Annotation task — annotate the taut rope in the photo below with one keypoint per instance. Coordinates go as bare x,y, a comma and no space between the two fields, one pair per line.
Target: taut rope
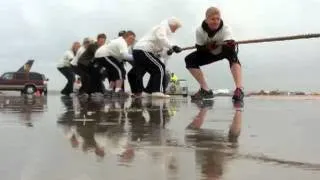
272,39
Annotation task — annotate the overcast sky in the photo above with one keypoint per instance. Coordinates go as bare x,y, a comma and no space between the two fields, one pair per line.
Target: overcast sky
43,30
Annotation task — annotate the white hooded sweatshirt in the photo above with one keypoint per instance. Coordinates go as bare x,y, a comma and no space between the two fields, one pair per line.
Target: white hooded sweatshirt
80,51
156,40
117,48
66,59
202,37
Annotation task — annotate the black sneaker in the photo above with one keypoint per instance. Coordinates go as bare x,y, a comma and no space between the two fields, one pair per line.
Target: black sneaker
238,95
207,95
196,95
203,95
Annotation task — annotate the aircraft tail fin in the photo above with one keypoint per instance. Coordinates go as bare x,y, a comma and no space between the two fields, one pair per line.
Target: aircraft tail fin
26,67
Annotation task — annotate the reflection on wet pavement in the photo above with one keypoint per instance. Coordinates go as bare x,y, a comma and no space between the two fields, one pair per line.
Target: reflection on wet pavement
127,128
144,139
119,125
25,107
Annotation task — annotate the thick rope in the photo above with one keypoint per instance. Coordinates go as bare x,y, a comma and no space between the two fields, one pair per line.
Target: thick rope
284,38
272,39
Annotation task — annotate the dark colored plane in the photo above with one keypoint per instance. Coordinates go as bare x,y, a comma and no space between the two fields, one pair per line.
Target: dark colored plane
27,66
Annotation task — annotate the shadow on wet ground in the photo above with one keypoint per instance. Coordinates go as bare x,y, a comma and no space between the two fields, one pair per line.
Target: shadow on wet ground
62,138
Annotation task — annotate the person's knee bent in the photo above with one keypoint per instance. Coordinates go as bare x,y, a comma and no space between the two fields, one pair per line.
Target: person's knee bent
233,60
233,63
231,54
190,61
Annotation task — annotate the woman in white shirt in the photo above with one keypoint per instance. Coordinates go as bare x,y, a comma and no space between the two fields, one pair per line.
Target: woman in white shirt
74,63
110,57
145,54
64,66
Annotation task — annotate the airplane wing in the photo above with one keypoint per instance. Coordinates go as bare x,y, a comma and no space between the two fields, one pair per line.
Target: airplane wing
26,67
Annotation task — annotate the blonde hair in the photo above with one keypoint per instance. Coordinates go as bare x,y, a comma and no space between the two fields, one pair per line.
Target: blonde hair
173,21
212,11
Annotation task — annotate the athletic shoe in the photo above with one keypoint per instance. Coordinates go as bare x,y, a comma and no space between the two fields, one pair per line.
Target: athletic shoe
203,95
159,95
145,94
238,95
196,95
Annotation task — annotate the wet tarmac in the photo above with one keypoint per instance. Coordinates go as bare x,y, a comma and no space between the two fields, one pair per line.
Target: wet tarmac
57,138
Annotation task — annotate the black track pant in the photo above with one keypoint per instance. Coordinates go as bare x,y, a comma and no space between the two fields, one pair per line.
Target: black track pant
67,72
146,62
98,75
84,73
115,68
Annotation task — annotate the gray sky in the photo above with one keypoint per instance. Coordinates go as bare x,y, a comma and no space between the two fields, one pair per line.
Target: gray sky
43,30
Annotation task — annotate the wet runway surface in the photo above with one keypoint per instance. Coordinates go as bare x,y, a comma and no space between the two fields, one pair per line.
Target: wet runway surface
56,138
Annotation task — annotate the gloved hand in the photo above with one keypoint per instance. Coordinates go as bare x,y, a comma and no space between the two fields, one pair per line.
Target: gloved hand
176,49
230,43
170,52
212,46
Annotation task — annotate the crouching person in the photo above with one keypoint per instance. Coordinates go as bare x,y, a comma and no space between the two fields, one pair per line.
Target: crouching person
164,56
84,63
74,62
214,42
65,68
145,53
110,58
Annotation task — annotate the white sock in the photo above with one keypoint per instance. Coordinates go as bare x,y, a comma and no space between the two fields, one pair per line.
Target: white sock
118,89
110,89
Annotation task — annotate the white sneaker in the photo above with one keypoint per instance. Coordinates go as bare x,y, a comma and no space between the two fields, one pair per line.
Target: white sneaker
144,94
166,96
159,95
